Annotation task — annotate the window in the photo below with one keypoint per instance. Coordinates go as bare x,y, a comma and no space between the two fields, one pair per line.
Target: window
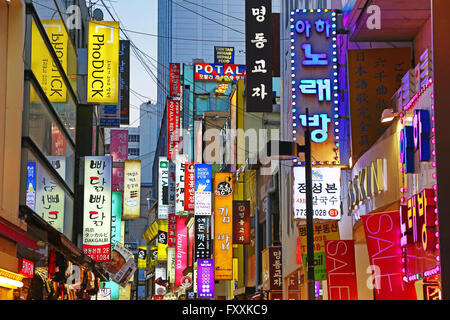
133,138
133,151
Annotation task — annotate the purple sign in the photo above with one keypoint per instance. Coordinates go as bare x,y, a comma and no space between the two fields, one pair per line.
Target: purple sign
205,278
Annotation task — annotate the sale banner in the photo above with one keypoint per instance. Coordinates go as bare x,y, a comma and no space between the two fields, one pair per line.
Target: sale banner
341,270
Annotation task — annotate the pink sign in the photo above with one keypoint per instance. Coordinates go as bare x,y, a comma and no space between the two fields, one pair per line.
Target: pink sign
385,255
119,152
180,249
341,270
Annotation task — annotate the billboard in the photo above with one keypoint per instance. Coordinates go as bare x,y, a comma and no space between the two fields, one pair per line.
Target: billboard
132,189
97,207
326,185
103,62
218,72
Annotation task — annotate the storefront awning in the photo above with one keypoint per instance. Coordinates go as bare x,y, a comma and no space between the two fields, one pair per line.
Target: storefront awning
16,234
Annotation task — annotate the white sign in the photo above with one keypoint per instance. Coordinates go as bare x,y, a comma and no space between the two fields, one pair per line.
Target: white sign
179,183
163,188
97,207
326,193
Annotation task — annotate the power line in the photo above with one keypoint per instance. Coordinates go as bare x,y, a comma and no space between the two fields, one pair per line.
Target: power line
224,14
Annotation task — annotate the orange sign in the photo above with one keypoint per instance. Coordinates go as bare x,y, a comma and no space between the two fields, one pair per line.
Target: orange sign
223,226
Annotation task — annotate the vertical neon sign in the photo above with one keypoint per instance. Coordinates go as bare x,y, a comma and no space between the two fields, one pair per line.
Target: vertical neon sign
315,81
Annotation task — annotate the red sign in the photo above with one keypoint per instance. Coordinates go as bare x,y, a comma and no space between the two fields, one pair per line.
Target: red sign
174,79
341,270
383,244
26,267
172,236
189,186
241,222
173,129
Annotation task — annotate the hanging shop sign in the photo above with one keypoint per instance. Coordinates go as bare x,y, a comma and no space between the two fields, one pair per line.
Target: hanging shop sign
202,234
109,115
223,226
161,274
189,186
180,249
258,55
103,62
180,167
241,222
97,207
374,75
162,240
31,185
171,230
118,149
314,82
124,81
341,270
174,79
322,232
171,262
326,193
218,72
163,188
42,63
132,189
223,55
173,128
419,238
50,196
382,232
26,267
116,216
205,278
142,257
271,269
203,189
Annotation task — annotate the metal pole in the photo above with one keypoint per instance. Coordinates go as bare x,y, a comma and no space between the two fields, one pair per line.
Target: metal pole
309,212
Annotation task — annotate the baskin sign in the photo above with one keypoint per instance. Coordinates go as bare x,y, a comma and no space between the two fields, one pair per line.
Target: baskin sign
219,72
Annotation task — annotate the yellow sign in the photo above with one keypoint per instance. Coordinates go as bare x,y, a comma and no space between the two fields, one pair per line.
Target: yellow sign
322,232
103,62
142,257
42,64
163,228
132,189
223,226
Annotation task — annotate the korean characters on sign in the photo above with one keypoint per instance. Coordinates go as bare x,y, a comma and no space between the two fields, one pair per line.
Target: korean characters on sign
97,207
202,234
314,80
174,79
132,189
326,193
223,226
189,186
173,128
258,43
241,222
271,269
203,187
180,168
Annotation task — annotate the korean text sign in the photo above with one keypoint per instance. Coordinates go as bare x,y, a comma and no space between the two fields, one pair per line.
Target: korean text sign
103,62
132,189
173,128
202,234
322,232
189,186
203,187
218,72
241,222
163,188
174,79
271,269
341,270
180,249
314,81
180,167
97,207
205,278
116,216
326,193
258,46
223,226
385,254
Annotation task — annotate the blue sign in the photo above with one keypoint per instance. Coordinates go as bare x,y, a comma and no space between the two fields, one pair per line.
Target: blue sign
110,115
203,177
31,185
